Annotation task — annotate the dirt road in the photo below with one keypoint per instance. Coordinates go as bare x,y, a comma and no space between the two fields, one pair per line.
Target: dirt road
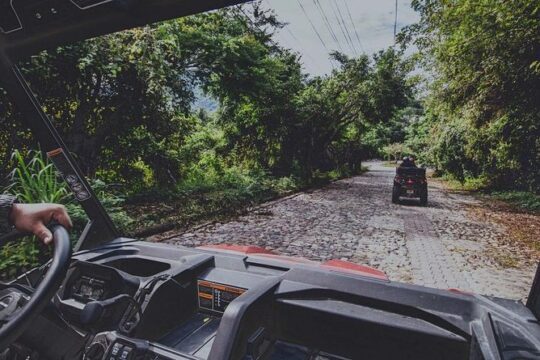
442,245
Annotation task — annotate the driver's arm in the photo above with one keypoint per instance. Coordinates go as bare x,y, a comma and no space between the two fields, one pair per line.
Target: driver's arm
31,218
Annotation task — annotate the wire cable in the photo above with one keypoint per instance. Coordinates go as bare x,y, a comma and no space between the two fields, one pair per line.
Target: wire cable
312,25
354,26
340,25
328,24
345,26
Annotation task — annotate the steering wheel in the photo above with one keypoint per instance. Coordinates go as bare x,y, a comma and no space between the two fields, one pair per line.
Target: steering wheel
17,309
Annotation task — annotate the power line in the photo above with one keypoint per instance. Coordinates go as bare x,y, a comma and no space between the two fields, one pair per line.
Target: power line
312,25
315,63
291,33
327,23
286,24
354,26
293,36
341,26
345,26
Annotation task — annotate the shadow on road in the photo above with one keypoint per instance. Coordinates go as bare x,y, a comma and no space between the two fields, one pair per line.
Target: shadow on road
411,202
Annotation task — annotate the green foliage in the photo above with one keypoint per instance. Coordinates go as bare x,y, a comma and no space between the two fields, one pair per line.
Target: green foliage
395,151
484,113
522,199
16,258
113,203
35,180
467,184
123,102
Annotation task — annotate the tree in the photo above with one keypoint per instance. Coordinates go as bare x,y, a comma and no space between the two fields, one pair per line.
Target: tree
123,101
483,57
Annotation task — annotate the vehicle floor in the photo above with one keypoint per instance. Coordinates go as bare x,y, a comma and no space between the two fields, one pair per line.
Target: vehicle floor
444,245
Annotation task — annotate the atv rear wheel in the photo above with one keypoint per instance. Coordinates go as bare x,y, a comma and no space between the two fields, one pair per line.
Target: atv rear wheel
395,194
423,197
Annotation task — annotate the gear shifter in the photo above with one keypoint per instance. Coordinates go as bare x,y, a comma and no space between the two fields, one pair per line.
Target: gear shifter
94,310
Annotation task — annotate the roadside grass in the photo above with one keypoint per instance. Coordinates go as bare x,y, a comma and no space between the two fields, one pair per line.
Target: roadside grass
505,260
521,199
158,211
194,202
469,184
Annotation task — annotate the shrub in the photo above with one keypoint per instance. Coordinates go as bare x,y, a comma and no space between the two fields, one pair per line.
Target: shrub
35,180
522,199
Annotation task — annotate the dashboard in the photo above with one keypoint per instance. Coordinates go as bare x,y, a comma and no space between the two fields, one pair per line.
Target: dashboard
144,301
176,307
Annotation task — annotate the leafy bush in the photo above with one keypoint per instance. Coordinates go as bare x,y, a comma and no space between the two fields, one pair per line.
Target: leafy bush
523,199
16,258
35,180
395,151
111,201
482,57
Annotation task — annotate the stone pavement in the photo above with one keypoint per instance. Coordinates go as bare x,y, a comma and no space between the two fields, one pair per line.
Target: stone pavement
440,245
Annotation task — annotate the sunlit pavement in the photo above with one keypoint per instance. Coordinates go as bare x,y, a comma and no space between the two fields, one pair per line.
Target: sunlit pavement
440,245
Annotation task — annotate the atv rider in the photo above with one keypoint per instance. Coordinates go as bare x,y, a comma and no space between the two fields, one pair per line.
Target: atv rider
408,162
31,218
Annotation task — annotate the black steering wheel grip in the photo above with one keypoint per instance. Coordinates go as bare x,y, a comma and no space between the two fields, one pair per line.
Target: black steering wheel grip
17,322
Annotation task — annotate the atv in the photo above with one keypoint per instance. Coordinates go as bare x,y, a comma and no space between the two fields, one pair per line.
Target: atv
115,298
410,182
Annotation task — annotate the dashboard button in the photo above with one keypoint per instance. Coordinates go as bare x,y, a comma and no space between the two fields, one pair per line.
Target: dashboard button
126,353
116,349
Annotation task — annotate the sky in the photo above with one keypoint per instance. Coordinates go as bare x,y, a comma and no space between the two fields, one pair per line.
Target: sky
358,26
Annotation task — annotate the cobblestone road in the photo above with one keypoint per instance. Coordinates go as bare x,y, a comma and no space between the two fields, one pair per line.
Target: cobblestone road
440,245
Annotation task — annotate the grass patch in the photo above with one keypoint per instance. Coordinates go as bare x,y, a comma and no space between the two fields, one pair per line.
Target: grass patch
522,199
468,184
206,193
194,204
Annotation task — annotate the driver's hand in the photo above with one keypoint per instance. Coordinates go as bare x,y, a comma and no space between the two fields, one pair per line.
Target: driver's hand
34,218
